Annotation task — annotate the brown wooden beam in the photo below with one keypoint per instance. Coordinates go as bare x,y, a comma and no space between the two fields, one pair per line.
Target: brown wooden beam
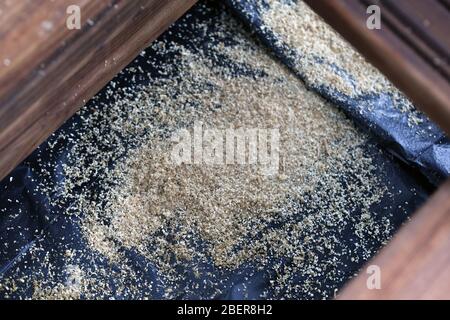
48,71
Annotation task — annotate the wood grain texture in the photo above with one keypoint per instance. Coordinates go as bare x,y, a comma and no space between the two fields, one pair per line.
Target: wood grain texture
416,263
48,71
412,48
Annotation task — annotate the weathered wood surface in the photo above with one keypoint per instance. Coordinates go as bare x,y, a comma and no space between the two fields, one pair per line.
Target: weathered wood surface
47,71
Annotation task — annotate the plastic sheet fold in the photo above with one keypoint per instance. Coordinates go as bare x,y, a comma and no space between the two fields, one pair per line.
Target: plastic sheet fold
30,223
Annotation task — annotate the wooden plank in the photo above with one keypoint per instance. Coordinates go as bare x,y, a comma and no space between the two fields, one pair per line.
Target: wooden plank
412,49
47,71
416,263
414,58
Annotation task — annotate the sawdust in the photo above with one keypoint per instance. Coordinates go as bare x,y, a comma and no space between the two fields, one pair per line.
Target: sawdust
325,172
329,60
228,202
187,215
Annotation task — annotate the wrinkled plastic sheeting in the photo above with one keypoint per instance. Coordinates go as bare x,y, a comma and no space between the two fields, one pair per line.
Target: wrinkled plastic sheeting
29,222
423,146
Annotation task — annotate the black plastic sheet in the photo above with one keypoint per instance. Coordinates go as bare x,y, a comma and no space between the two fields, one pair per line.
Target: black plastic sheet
30,223
422,145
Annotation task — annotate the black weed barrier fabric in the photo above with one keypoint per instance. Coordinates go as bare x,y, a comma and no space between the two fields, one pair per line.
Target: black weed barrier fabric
38,238
422,145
